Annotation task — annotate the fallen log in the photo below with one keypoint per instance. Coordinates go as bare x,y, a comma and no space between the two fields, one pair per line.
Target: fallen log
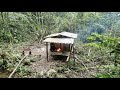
83,64
17,66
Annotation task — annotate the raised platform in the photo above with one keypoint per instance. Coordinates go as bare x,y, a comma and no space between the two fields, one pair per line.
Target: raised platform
60,53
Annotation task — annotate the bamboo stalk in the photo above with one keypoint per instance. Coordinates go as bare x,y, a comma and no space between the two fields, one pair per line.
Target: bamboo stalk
17,66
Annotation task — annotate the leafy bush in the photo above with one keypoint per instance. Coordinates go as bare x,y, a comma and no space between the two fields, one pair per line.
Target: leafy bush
114,72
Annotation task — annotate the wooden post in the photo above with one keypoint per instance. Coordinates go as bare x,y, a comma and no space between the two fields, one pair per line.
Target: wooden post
71,50
47,50
74,54
69,56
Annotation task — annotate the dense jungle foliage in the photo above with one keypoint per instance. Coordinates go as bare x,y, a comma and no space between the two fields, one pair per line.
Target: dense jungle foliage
97,47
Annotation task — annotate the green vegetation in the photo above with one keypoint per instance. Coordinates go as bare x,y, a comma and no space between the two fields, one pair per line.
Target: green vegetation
97,48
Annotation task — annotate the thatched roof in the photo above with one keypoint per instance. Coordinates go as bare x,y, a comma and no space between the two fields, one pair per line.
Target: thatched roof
68,39
67,34
60,40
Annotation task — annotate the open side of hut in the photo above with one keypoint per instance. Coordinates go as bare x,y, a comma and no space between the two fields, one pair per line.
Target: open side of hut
60,43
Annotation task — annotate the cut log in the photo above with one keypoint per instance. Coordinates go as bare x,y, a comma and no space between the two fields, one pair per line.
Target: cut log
17,67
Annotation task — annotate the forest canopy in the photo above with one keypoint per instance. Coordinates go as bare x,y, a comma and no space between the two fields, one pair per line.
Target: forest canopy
20,26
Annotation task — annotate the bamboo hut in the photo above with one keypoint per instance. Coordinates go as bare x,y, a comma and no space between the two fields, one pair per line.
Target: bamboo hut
60,43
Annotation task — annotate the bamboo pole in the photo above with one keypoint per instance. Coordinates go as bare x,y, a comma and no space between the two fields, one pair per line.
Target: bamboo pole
17,66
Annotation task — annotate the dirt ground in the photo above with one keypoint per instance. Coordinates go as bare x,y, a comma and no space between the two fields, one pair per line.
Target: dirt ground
42,64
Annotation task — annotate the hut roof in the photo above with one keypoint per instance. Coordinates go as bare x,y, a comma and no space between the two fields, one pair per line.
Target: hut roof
67,34
60,40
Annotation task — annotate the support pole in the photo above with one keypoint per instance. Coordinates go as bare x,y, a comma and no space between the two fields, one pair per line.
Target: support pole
69,53
69,56
74,54
47,50
71,50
